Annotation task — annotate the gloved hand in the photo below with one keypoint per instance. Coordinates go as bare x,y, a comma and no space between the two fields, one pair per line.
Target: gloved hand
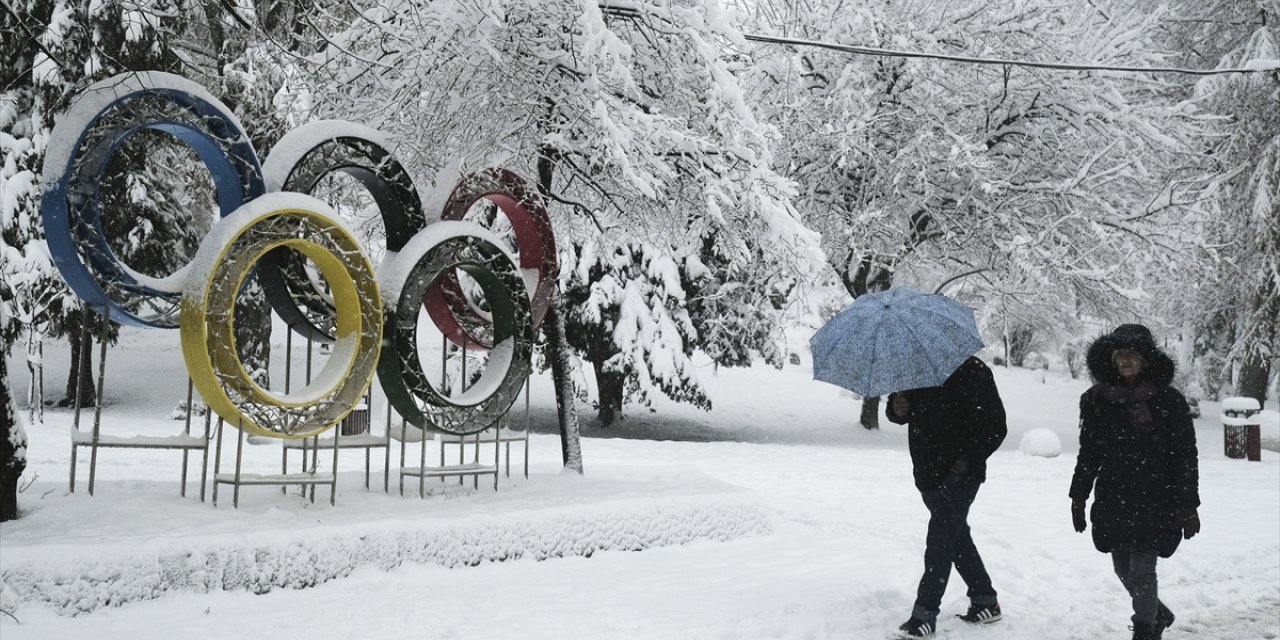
901,406
1189,518
1077,516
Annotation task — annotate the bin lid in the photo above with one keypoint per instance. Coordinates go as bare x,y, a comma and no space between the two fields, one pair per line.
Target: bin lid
1240,406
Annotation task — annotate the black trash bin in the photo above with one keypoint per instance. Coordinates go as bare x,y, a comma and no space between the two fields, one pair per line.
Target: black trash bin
1241,429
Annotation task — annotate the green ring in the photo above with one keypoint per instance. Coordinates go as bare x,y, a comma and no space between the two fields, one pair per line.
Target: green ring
407,386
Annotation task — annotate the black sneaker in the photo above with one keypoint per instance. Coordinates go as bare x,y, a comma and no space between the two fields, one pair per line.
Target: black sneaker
982,614
916,628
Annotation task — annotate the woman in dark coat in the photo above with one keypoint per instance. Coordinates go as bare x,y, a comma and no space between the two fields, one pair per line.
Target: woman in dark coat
1138,457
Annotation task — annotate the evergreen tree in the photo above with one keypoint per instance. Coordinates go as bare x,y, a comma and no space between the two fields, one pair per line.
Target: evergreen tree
628,320
29,287
13,443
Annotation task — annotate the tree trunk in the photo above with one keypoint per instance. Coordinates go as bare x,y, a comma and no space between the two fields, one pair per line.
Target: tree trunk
558,348
610,385
35,366
80,376
13,445
870,413
1254,374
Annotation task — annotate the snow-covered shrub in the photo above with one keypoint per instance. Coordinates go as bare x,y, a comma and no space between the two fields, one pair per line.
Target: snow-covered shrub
1035,360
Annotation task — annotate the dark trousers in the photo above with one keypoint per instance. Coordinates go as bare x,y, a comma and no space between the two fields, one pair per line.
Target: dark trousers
949,544
1137,571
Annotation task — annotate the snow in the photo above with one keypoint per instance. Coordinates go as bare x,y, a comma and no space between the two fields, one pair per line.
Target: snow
495,374
295,144
1240,405
227,229
1261,64
773,516
96,98
1041,442
396,266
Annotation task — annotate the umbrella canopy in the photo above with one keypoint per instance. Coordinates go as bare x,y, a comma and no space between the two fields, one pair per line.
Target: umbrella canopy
894,340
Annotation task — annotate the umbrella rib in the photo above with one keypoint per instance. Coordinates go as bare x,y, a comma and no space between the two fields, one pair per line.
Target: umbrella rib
932,366
909,329
875,347
826,354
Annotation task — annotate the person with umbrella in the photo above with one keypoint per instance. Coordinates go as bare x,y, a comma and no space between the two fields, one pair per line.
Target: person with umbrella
919,349
1138,457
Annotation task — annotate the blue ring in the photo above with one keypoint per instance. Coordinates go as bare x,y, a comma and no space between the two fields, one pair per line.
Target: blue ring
75,234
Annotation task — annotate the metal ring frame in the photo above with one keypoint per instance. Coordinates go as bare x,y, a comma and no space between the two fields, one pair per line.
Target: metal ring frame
361,153
92,134
447,303
407,386
208,312
257,228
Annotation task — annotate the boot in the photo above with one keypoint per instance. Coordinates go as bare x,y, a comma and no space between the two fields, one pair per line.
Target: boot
1164,620
1144,631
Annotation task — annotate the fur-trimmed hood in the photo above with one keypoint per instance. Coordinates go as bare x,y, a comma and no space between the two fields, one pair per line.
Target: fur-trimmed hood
1158,368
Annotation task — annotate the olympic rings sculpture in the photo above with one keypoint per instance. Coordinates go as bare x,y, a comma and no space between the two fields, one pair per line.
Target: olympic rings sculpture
270,227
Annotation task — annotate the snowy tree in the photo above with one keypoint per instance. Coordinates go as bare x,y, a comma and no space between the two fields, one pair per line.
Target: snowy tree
13,441
736,308
1234,303
156,195
632,117
224,51
78,44
630,322
33,290
28,284
1046,189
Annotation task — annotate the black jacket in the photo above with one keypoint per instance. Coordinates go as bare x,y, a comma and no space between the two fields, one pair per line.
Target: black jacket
1137,450
961,420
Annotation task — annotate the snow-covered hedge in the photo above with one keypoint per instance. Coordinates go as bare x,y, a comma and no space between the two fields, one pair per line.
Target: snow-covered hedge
73,583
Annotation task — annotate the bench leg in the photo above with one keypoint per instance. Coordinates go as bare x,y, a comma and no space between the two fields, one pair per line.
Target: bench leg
217,461
73,466
204,464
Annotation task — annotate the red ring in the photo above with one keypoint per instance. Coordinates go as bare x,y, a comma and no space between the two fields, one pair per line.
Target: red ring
445,301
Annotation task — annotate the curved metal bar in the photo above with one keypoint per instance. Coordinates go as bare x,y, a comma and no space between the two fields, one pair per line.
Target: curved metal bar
407,386
306,225
82,144
298,162
447,303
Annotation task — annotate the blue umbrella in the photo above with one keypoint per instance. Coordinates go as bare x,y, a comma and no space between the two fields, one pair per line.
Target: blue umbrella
894,340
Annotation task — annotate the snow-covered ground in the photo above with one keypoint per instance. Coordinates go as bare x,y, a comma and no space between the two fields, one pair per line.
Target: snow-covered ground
772,516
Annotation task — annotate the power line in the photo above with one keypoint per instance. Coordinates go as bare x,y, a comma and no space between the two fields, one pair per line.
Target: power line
1255,67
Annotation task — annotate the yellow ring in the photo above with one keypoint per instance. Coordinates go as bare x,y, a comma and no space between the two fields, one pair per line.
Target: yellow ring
208,328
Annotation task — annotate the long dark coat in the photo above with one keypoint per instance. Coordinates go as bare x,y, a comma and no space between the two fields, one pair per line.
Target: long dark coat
961,420
1141,471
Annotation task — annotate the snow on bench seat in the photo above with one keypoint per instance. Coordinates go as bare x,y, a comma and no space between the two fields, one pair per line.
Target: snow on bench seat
274,478
85,439
469,469
362,441
486,437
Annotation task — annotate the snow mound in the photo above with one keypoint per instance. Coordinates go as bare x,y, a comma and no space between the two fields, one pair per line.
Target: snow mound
1041,442
74,581
1269,429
